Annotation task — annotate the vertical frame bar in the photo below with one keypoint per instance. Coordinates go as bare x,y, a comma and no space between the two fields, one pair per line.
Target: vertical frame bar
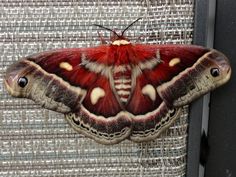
199,110
222,127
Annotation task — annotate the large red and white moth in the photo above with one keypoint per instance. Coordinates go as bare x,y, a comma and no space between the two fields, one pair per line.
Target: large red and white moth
119,90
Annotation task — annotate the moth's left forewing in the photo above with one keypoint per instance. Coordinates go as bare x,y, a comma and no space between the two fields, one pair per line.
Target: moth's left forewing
51,79
198,71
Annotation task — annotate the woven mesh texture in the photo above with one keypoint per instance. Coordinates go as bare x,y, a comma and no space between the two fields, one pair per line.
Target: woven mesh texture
38,142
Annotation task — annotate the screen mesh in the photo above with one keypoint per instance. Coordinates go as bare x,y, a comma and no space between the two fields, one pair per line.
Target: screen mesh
38,142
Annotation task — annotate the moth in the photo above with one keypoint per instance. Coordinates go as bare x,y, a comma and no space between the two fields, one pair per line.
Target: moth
121,90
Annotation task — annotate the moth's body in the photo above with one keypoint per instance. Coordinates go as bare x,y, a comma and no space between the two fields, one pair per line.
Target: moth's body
120,90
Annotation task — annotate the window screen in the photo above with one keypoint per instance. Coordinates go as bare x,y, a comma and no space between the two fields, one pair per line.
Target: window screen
38,142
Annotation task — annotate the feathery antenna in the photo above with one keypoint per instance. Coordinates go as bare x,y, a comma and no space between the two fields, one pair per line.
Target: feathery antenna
100,26
129,26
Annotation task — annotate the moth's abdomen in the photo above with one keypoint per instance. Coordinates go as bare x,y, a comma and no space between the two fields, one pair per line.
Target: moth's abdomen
122,82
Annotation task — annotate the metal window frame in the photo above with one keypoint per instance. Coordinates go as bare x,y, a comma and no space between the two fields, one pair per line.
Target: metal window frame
199,110
222,124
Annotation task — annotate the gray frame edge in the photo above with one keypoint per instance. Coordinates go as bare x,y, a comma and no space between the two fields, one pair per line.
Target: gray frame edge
204,22
222,128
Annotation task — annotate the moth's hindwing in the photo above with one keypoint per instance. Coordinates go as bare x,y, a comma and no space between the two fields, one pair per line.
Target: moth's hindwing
158,121
103,130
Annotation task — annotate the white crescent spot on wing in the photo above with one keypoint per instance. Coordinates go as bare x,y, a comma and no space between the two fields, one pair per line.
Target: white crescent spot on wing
174,62
96,94
149,90
65,65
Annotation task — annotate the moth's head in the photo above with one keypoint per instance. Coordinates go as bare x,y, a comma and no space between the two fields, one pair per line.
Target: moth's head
219,67
118,39
17,79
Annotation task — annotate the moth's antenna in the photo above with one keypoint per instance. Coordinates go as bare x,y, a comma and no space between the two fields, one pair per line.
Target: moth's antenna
129,26
100,26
